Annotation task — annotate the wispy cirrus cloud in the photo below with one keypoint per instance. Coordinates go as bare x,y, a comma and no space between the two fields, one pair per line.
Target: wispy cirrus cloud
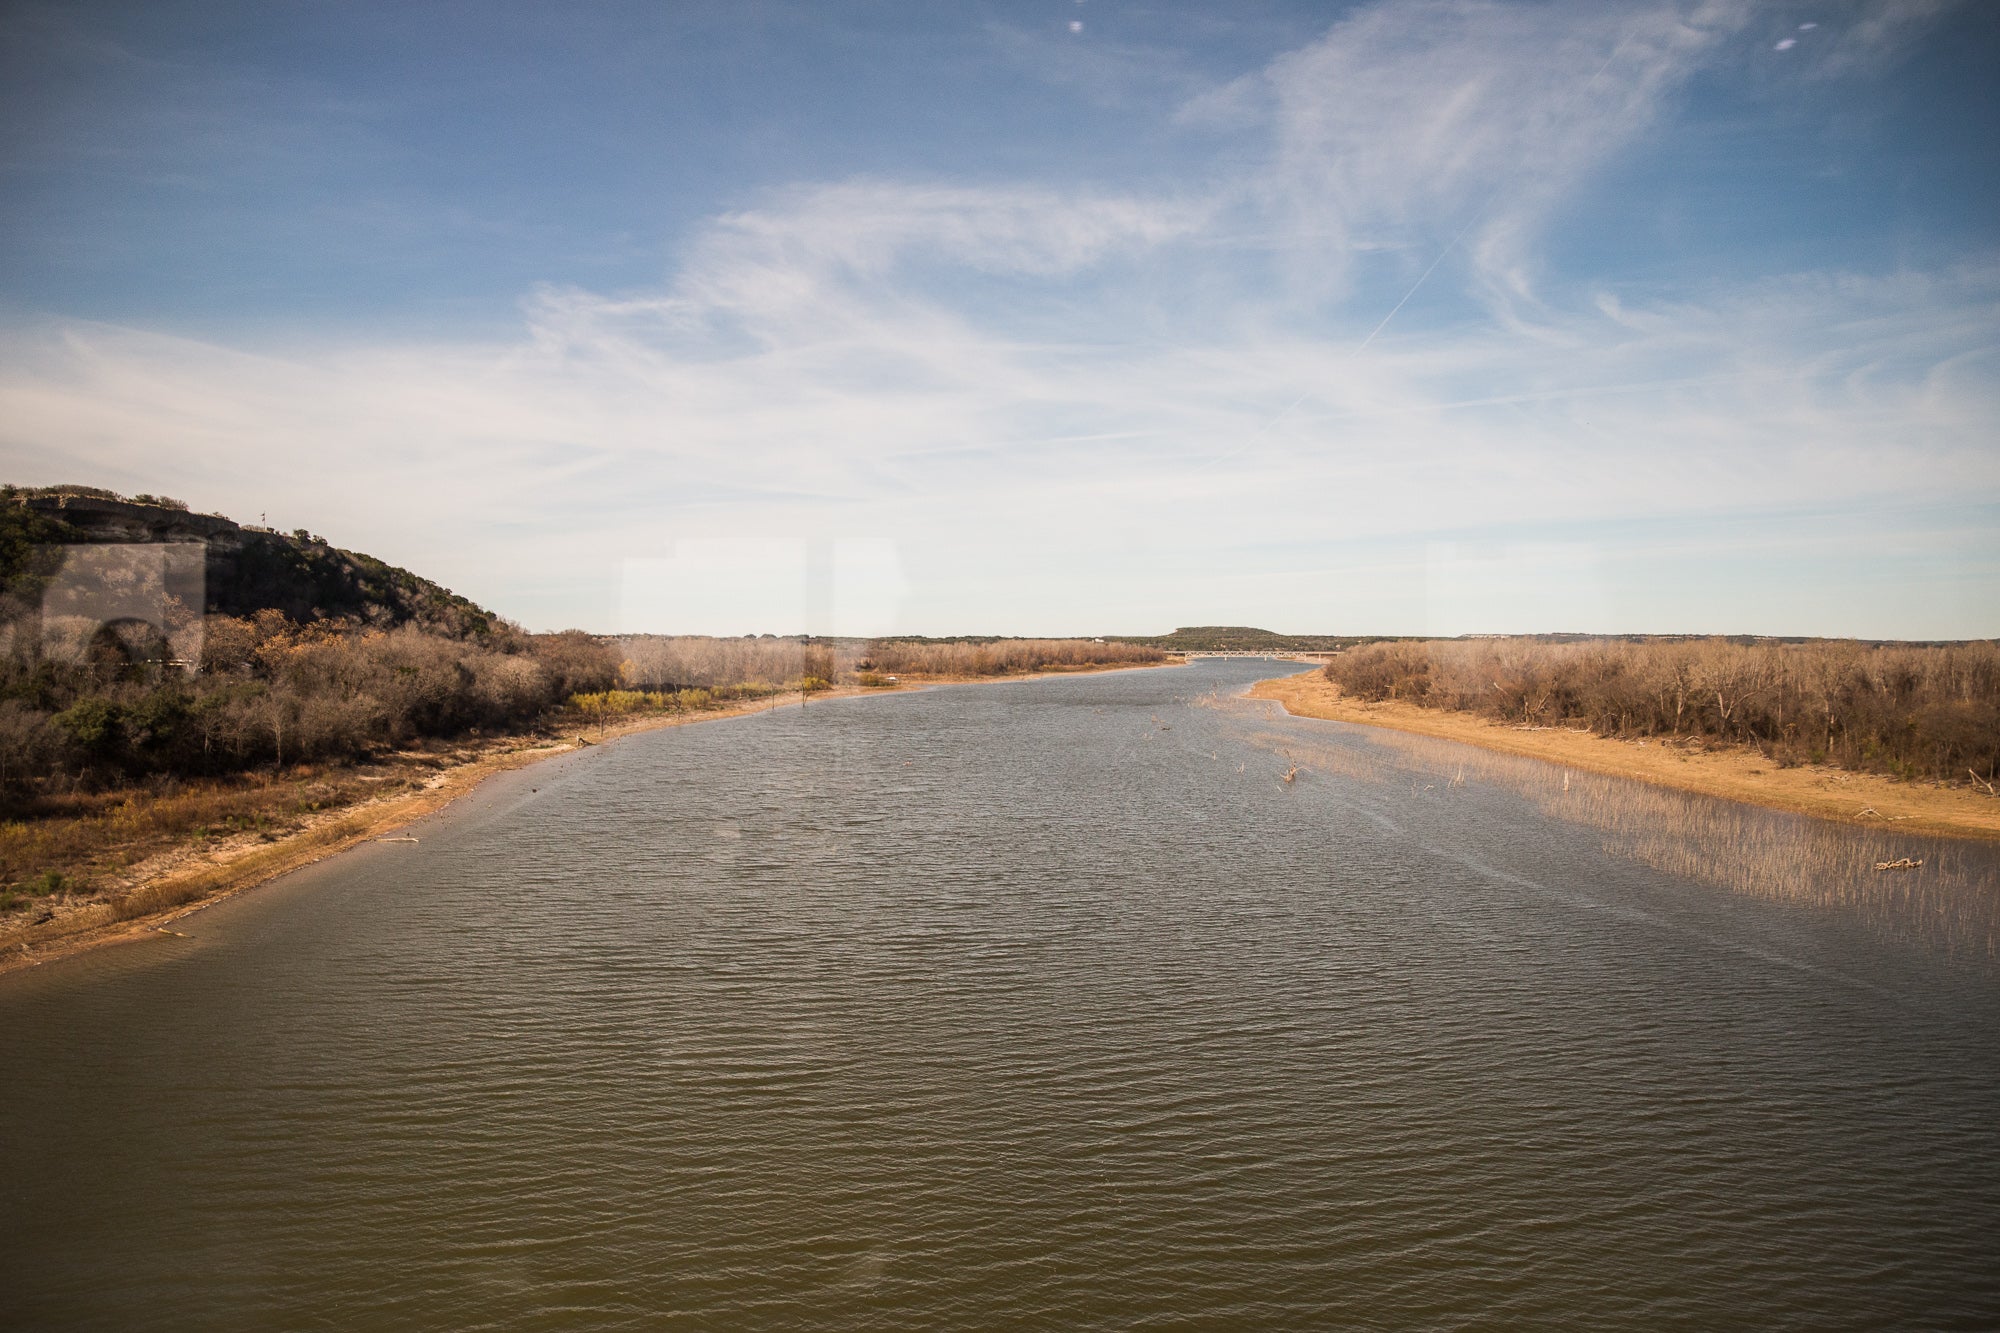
1426,125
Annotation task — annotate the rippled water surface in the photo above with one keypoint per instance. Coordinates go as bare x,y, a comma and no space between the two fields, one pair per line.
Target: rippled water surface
1041,1004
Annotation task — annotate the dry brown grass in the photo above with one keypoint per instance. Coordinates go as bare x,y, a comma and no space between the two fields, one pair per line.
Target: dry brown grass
160,855
87,835
668,662
1003,657
1908,710
1733,773
89,860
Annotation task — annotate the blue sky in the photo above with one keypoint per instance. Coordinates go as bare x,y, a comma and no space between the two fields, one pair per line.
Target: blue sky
1418,316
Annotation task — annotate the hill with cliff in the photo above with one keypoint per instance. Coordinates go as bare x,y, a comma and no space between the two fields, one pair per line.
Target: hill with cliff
244,568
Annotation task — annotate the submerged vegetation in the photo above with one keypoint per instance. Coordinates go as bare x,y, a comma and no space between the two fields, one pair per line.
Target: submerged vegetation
1910,711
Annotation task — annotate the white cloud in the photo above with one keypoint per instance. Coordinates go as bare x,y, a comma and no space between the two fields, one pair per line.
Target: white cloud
993,463
748,583
1026,409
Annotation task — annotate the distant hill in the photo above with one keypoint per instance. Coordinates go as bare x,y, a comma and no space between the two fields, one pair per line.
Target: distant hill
249,568
1244,639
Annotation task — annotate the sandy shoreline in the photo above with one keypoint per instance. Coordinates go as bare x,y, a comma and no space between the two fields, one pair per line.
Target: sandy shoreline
1737,775
186,881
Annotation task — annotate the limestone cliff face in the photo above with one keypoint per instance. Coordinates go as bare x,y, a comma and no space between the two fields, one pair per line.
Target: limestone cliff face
250,569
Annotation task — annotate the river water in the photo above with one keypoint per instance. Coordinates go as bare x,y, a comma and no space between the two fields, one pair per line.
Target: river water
1046,1004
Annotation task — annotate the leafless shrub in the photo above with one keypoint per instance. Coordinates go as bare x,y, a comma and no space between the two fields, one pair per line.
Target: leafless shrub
692,661
272,690
1910,710
1000,657
658,662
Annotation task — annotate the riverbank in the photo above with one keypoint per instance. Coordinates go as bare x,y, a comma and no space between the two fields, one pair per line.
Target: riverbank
1733,774
351,805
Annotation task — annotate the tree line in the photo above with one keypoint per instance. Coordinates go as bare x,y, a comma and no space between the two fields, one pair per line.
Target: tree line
1911,710
1000,658
678,662
270,690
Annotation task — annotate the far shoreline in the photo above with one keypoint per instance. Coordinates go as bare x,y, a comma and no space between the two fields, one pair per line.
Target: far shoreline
188,883
1865,800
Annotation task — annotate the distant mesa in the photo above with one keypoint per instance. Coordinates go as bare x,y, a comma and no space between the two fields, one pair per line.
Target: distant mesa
1244,639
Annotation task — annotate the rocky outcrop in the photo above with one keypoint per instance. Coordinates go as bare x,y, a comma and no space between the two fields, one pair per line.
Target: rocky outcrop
251,569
